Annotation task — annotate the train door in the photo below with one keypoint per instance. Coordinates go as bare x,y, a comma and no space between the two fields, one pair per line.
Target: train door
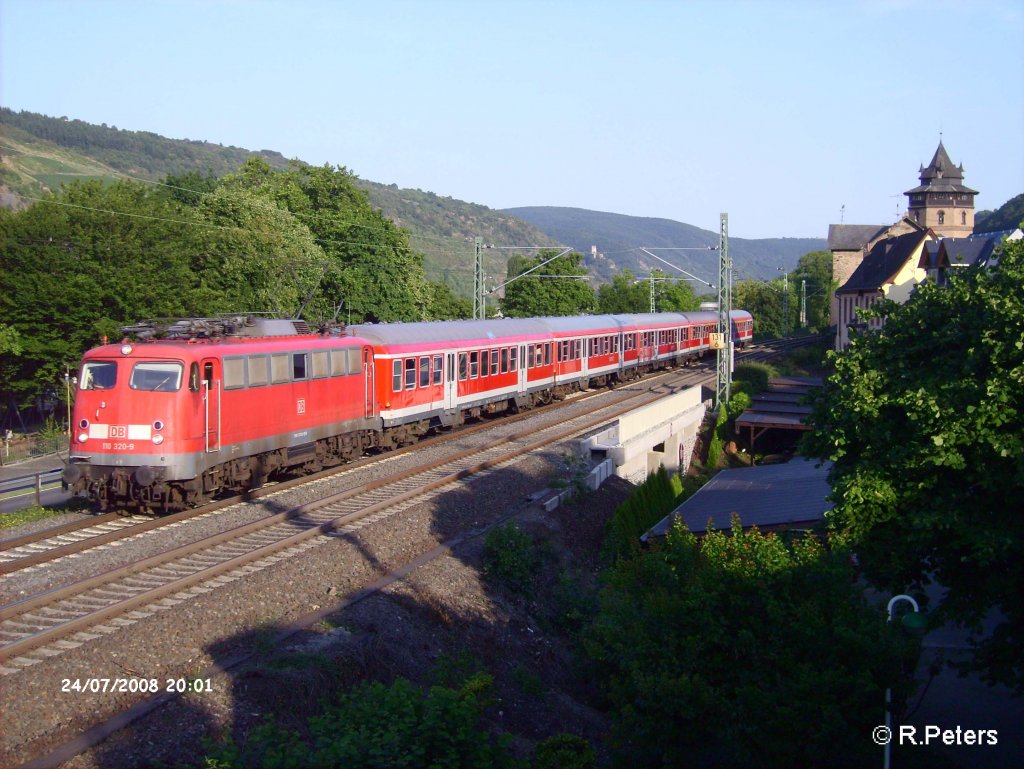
451,383
523,372
211,403
367,383
585,357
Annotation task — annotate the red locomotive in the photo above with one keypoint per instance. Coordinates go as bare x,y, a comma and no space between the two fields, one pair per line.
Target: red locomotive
164,424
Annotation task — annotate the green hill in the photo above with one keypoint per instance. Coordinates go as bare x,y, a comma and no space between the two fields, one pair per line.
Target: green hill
38,153
618,239
1008,216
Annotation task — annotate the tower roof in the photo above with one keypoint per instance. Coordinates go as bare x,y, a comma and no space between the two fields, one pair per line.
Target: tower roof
941,175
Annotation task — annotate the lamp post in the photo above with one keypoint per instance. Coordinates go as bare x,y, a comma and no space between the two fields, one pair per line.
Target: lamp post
67,390
891,610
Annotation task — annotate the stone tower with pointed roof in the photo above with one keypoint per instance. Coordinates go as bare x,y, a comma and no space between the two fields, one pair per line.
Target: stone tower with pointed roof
941,201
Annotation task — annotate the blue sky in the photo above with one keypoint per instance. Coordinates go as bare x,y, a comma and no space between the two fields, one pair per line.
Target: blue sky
777,112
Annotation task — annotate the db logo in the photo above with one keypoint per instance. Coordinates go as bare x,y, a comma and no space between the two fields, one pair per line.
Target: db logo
300,405
118,431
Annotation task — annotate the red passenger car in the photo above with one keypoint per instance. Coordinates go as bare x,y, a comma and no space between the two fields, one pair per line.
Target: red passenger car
162,424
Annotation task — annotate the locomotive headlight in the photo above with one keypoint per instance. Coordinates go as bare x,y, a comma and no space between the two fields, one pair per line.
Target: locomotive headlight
158,425
83,437
126,349
83,423
158,439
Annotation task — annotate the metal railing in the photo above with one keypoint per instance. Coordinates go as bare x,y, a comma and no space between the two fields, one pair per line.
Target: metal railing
34,484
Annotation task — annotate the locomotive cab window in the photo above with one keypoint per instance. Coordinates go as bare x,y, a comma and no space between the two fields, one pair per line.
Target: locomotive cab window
156,377
98,375
299,366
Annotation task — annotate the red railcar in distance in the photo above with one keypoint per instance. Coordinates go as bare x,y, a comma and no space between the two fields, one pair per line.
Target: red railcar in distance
219,404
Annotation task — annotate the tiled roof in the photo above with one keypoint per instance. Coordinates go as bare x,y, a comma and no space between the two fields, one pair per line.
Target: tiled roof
852,237
963,252
882,262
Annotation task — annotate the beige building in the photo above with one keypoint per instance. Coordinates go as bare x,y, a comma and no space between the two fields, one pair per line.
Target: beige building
890,270
870,262
941,202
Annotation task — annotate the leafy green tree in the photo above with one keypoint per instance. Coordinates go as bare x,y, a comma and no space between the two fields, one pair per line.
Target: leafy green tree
442,304
262,257
675,295
625,294
739,650
815,270
74,271
371,271
9,340
542,292
924,421
764,302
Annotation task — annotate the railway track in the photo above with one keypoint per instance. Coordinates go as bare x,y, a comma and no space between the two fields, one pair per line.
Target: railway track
48,545
64,617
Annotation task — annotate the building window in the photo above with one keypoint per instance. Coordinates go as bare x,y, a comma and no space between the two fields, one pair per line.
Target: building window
942,217
963,217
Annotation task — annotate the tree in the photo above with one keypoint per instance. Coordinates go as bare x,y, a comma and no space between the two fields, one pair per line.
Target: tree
542,292
9,340
764,302
371,271
739,650
814,268
443,304
924,422
625,294
74,272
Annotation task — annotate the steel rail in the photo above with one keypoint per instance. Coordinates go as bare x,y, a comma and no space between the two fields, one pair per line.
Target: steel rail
56,551
146,596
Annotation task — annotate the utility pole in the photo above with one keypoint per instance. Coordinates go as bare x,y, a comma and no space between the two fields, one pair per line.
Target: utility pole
785,303
723,384
785,300
803,304
653,306
479,301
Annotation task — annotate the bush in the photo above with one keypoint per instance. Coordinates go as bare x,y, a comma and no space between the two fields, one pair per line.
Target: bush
754,377
375,726
649,503
564,751
510,558
721,651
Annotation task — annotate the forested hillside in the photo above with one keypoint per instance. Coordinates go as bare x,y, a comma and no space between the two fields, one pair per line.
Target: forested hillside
96,255
1008,216
40,153
617,238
